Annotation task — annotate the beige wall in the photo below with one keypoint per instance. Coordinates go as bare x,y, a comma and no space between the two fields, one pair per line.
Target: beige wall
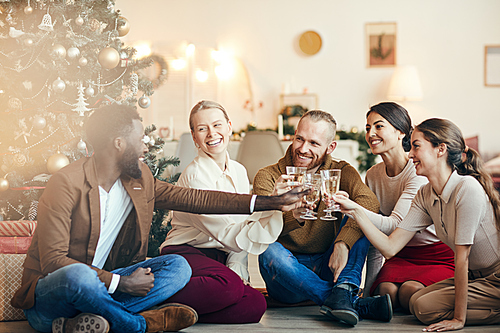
445,39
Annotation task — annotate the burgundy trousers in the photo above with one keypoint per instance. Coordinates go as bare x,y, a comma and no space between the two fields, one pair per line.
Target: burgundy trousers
215,291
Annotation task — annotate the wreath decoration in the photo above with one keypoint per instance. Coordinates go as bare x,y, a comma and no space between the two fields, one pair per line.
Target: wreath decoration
160,68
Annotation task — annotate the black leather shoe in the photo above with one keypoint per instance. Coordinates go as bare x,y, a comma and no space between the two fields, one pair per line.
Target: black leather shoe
83,323
338,306
376,308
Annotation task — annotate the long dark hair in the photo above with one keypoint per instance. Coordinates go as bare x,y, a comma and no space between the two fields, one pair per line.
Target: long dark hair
398,117
460,157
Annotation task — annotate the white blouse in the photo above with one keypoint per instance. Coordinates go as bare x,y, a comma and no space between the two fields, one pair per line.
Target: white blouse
235,234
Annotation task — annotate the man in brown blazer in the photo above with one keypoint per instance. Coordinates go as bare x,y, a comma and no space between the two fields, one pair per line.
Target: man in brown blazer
87,258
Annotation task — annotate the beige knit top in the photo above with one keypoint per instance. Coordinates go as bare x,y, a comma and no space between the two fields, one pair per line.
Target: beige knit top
316,236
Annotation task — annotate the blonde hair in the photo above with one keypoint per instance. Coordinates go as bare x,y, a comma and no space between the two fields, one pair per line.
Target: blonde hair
204,105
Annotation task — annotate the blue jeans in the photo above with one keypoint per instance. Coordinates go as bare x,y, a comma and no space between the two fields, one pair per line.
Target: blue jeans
75,288
295,278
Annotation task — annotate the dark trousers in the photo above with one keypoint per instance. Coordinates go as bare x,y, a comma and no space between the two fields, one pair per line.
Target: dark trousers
216,292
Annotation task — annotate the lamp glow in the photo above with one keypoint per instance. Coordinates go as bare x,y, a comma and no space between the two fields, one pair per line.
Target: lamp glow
143,50
201,76
190,50
178,64
224,72
405,85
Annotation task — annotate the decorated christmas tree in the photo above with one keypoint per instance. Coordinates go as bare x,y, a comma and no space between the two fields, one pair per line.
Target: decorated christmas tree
59,60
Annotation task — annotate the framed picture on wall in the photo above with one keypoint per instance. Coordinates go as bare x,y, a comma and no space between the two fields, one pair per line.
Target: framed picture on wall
492,65
381,44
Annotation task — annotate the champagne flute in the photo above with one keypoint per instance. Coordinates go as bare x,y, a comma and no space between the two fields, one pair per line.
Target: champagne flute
297,173
312,182
330,185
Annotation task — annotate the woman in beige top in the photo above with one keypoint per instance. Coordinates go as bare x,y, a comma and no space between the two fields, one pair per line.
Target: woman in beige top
462,204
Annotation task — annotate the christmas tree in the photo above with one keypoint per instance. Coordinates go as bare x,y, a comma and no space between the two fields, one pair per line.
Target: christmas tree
59,60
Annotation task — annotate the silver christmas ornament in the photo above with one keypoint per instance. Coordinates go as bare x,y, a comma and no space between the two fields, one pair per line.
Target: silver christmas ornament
89,91
58,85
28,42
39,122
79,20
73,52
58,51
83,61
144,102
81,145
28,10
109,58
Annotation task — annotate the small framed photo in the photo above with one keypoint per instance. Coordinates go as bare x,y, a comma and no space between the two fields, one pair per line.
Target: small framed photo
381,44
492,65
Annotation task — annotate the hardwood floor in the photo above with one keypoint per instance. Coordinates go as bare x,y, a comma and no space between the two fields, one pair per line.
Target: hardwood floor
293,319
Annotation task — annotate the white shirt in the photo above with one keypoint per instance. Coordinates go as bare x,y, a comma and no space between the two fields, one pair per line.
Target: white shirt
115,207
235,234
462,215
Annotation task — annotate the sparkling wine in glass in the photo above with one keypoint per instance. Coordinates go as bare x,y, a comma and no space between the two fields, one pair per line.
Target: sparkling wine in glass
330,185
312,182
297,173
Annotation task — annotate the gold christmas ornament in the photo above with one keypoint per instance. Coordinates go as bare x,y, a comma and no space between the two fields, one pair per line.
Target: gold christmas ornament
123,28
56,162
4,184
109,58
28,42
58,51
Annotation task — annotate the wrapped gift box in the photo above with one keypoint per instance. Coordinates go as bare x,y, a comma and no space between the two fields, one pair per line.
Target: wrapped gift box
11,270
14,245
17,228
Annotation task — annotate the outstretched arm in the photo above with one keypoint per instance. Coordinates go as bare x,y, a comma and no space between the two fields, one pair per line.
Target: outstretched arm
387,245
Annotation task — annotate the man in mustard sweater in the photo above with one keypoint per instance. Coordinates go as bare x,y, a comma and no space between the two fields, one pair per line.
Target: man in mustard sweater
315,259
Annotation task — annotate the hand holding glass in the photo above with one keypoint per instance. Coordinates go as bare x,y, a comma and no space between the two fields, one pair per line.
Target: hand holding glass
297,173
330,185
312,182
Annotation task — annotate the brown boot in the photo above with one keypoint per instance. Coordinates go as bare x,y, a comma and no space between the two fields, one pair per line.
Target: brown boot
169,317
84,322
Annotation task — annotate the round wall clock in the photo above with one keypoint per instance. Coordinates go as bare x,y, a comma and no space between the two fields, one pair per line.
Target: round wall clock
310,42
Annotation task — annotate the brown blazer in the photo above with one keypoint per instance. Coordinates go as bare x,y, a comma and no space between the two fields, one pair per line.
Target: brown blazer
69,222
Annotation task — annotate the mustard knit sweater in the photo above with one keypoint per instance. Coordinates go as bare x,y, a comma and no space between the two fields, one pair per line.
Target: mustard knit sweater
316,236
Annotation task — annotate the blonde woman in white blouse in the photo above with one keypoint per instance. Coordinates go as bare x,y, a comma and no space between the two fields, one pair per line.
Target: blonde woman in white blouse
462,204
216,246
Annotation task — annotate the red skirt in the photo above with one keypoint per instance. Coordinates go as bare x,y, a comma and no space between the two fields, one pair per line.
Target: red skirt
426,264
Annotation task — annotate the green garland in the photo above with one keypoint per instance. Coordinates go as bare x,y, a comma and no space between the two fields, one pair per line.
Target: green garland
365,159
